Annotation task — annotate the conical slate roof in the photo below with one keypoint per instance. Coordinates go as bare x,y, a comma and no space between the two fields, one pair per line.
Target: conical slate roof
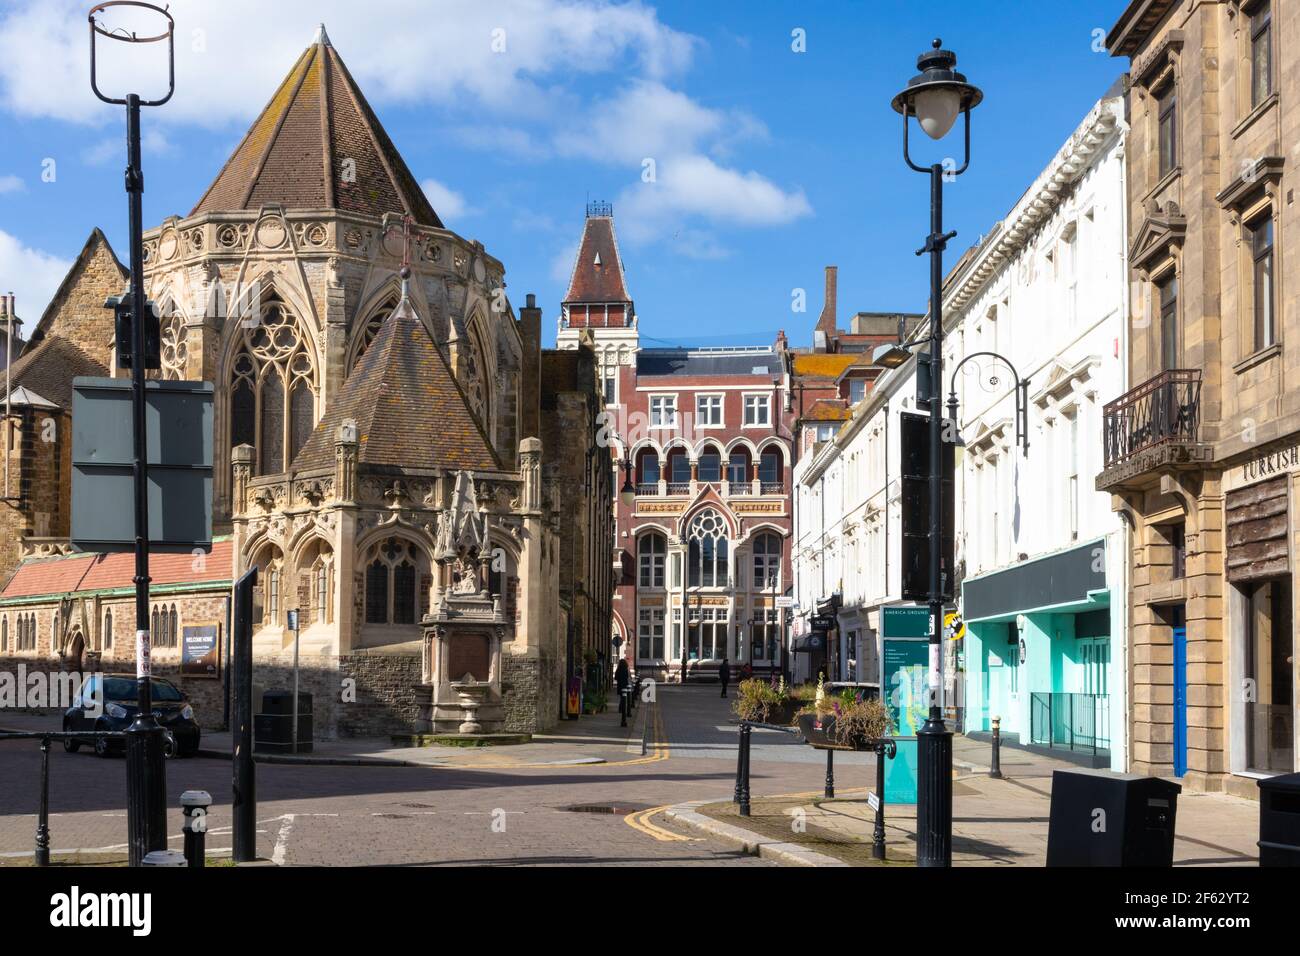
598,271
318,145
410,413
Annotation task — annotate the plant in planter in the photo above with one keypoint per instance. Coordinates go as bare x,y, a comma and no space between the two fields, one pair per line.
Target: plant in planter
754,701
849,720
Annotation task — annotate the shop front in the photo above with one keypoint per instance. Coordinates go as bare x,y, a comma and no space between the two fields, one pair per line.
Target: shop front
1260,606
1038,650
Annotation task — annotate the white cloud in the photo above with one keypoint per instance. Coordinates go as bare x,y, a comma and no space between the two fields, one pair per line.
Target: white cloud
512,55
562,263
693,187
447,203
31,275
152,142
11,184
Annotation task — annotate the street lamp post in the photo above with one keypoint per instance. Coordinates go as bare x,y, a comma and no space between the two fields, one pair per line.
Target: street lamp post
146,795
935,96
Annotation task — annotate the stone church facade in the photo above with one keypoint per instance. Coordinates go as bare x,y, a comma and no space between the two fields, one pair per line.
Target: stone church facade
377,436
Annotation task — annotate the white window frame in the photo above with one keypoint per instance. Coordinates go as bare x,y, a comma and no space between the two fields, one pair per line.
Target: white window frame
765,399
663,397
715,399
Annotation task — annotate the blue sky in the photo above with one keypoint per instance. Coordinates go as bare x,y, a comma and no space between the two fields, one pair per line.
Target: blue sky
769,163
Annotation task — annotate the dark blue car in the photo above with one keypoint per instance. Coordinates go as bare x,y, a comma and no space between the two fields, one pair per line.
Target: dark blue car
113,707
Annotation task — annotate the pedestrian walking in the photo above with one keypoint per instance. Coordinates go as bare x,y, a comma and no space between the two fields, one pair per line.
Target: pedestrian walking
724,675
621,681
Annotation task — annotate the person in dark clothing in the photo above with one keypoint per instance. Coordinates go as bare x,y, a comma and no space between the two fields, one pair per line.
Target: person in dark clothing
724,675
621,681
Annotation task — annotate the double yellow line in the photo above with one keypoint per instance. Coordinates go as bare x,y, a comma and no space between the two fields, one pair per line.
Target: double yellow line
640,821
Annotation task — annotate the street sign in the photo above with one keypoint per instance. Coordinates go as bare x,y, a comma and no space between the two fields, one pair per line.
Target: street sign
293,620
178,422
785,601
873,801
905,622
821,622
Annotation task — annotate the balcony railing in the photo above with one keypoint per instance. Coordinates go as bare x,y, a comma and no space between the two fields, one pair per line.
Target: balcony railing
679,487
773,487
1076,722
1163,409
648,488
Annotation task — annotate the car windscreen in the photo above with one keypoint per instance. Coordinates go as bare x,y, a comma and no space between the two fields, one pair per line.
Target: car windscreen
124,688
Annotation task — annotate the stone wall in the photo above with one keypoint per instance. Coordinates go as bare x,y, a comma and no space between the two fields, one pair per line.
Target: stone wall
533,692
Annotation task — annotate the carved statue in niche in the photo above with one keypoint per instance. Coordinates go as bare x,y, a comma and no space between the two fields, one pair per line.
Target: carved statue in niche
464,575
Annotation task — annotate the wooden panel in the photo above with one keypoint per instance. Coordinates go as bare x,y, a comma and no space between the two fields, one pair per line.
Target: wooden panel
1256,533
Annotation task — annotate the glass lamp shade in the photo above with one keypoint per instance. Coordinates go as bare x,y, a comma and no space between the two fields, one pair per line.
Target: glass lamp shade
627,496
937,109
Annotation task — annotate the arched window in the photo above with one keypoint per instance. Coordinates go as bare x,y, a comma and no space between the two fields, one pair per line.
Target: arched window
739,471
4,633
273,385
648,467
154,627
769,468
396,572
707,550
173,351
710,464
475,378
54,631
106,635
651,550
767,562
369,331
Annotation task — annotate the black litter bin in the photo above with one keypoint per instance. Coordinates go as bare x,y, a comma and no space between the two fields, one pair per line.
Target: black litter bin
1279,820
1099,818
273,727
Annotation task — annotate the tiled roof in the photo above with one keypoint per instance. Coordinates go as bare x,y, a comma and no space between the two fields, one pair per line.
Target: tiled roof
104,572
318,145
49,367
828,410
409,410
598,270
823,364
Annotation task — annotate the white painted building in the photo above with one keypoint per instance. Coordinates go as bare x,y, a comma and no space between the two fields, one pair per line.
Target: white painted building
1040,555
847,524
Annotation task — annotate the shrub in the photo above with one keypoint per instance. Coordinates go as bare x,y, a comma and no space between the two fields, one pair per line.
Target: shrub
754,700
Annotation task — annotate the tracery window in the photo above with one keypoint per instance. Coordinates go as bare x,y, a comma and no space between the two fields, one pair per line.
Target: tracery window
173,346
273,384
707,550
369,331
475,380
396,573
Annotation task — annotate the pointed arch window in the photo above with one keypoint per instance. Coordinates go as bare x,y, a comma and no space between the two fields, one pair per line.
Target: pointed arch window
106,635
4,634
707,550
273,388
396,570
369,331
475,378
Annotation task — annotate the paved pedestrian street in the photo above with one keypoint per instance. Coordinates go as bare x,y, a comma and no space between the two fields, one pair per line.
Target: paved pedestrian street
586,795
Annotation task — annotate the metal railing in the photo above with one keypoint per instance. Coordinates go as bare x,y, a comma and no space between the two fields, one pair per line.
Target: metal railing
773,487
648,488
1166,408
679,487
1075,722
42,854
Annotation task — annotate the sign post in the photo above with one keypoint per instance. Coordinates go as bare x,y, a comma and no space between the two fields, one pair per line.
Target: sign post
293,626
904,661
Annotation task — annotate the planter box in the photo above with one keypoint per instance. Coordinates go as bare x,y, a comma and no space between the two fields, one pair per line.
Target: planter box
817,732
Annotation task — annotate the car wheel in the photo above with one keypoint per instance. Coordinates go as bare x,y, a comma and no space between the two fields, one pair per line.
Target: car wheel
169,746
101,747
70,745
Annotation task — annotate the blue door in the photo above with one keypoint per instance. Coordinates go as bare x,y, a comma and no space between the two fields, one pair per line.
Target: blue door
1180,701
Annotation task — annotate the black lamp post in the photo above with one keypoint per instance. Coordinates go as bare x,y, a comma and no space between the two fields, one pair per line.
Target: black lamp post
935,96
146,793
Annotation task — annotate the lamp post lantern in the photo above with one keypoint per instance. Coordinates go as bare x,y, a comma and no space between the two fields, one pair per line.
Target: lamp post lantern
146,794
935,96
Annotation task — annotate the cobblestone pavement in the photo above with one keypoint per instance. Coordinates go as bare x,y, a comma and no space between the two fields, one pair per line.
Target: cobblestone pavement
495,814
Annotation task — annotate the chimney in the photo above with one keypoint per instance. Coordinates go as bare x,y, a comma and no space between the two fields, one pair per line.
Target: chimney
530,332
826,323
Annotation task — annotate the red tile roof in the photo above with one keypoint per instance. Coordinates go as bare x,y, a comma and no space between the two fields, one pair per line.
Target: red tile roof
103,572
828,410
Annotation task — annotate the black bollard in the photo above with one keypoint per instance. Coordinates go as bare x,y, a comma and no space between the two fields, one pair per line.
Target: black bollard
740,760
645,731
746,732
830,774
43,821
194,805
884,748
995,768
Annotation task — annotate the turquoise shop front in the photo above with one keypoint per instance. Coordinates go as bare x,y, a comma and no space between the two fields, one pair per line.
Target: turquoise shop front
1038,654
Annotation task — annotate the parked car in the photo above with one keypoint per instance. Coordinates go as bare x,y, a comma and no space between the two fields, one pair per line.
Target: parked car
113,707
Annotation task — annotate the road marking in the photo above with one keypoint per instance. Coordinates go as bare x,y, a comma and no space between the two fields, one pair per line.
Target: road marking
640,822
281,840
